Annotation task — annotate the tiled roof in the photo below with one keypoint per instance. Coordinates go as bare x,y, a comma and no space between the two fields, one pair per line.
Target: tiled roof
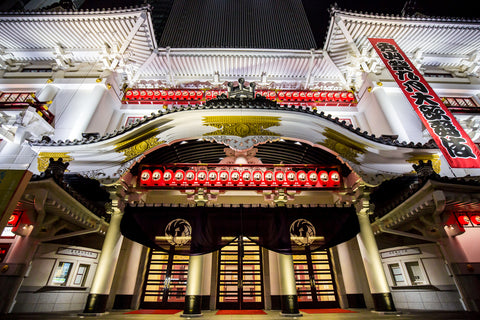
268,24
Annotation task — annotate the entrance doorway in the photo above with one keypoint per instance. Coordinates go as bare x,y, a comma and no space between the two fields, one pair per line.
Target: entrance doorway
166,281
314,278
240,280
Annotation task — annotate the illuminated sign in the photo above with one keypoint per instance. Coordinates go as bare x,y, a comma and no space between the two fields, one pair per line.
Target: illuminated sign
239,176
453,141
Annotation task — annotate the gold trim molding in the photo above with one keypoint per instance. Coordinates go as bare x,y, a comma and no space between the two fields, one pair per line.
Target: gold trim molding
43,159
241,126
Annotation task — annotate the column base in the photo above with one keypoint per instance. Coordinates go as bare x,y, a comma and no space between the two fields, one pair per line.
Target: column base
290,306
96,303
383,302
193,306
356,300
123,302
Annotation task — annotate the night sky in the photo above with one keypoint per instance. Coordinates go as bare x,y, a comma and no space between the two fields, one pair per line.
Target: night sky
319,18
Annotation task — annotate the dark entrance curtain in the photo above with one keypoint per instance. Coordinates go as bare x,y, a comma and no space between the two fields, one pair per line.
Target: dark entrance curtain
200,230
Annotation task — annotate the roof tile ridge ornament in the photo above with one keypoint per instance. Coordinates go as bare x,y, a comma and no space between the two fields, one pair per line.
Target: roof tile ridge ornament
240,92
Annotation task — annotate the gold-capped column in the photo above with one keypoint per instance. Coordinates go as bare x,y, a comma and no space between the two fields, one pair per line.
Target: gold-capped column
377,281
102,282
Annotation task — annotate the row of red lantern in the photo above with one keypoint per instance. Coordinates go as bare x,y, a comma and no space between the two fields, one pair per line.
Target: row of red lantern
312,178
464,219
323,96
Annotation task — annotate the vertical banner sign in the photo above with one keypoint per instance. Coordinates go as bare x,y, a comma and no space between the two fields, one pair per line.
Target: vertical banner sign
453,141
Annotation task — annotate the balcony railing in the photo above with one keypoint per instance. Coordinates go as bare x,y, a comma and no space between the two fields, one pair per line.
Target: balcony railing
23,100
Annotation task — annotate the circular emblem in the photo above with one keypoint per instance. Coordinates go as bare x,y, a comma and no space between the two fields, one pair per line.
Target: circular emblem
178,232
302,232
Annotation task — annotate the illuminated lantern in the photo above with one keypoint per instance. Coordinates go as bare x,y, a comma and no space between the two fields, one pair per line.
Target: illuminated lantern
279,177
185,94
168,176
291,177
208,95
235,176
214,94
475,218
323,178
128,94
309,96
296,96
334,180
199,94
135,93
192,95
336,96
190,176
281,95
463,220
223,176
171,94
323,96
146,178
164,94
143,94
149,94
268,177
301,177
288,95
330,96
179,176
312,177
212,176
257,177
303,96
157,176
452,227
316,96
246,176
201,176
272,95
350,96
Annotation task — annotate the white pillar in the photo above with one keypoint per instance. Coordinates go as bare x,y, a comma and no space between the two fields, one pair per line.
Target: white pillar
127,279
288,286
193,295
377,281
391,113
351,276
102,282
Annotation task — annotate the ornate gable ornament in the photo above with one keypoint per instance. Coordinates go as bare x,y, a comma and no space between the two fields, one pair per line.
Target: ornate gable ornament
240,91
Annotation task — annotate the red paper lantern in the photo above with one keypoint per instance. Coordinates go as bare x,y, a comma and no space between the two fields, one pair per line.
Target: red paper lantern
201,176
475,218
145,177
257,177
323,178
179,176
235,177
168,176
190,176
268,177
224,176
279,177
463,219
246,177
312,177
301,177
212,176
334,178
157,176
291,177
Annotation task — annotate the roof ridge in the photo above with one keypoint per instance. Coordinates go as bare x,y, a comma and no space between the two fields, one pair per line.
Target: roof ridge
73,12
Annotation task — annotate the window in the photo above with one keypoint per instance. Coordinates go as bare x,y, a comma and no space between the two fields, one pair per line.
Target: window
397,275
408,273
461,104
61,273
415,273
81,275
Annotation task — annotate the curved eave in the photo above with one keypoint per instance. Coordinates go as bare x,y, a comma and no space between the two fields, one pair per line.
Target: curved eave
437,38
78,36
113,154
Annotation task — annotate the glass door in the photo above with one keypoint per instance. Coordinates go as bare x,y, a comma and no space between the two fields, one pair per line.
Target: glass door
240,280
166,281
314,278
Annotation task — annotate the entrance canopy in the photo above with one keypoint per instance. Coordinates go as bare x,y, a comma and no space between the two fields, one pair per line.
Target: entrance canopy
202,229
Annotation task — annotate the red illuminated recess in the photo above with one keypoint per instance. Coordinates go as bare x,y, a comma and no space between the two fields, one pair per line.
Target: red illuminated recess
239,176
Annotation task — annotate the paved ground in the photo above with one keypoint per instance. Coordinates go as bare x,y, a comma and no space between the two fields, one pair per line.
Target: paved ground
271,315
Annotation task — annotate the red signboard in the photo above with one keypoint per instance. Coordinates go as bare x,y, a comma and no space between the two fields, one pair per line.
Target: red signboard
453,141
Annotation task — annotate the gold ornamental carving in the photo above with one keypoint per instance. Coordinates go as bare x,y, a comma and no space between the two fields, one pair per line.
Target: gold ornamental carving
44,159
139,148
435,158
344,146
241,126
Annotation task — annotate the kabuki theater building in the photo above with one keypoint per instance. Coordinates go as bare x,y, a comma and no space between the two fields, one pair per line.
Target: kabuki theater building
219,159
